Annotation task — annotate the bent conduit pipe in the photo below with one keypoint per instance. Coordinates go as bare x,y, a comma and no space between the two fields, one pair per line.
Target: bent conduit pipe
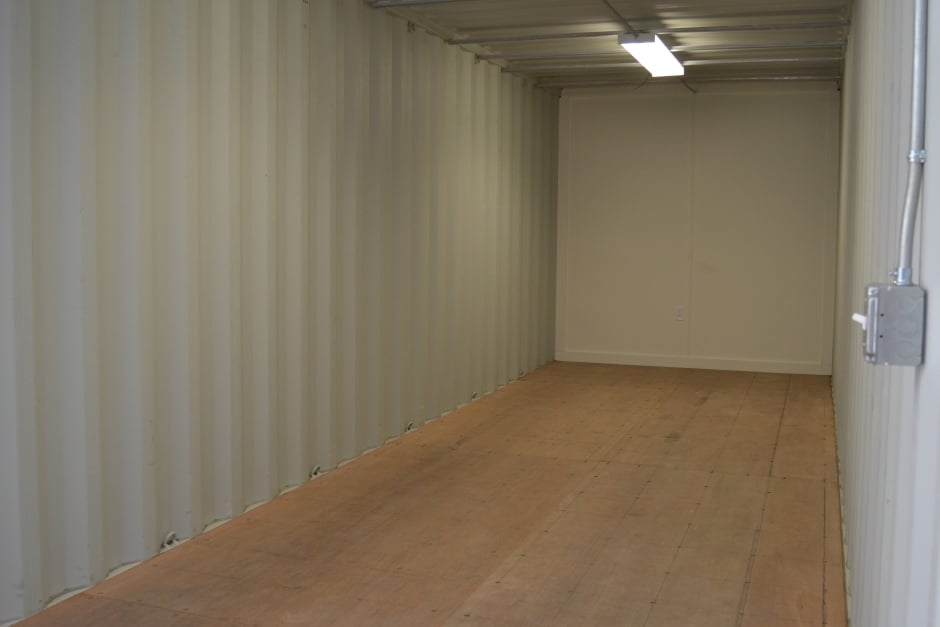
917,156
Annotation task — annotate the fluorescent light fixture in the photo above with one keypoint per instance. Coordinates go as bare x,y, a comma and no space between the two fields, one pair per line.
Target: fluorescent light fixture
652,53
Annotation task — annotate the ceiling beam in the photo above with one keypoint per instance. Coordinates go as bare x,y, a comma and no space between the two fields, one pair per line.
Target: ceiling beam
390,4
723,28
779,45
730,28
600,67
537,56
715,79
650,22
469,41
573,67
835,12
750,61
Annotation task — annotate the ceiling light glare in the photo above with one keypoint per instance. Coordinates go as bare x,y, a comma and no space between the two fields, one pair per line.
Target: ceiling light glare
652,54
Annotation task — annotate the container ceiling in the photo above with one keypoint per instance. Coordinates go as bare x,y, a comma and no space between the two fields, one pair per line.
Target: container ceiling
570,43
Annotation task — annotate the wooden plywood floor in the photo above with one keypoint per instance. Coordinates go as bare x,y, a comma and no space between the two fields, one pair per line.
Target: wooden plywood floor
578,495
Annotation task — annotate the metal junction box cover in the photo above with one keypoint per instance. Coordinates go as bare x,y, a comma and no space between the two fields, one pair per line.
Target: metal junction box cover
895,330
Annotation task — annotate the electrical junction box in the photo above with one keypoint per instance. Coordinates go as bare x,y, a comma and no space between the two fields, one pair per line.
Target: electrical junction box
893,324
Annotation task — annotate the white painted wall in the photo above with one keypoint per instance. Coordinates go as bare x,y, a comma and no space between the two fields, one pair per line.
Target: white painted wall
722,203
240,239
888,418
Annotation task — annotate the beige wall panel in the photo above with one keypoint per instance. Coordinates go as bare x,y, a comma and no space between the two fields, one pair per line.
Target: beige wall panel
886,417
763,228
717,207
241,240
624,216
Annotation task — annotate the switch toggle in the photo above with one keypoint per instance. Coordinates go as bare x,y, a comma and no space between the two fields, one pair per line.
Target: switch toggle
862,319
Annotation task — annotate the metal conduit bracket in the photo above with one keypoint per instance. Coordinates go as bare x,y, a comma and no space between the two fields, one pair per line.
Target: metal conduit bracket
917,156
903,276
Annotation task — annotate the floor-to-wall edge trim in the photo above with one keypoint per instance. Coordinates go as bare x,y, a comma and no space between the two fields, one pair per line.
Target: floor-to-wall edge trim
705,363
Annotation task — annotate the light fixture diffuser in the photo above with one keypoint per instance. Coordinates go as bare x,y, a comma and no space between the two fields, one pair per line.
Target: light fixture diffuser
652,53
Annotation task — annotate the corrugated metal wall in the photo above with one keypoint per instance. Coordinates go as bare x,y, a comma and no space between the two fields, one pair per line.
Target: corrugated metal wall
238,240
887,417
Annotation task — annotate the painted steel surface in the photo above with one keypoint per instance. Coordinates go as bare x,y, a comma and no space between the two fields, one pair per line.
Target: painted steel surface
886,416
239,240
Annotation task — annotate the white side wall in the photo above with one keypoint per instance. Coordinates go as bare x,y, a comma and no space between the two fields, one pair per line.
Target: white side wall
888,418
240,239
722,203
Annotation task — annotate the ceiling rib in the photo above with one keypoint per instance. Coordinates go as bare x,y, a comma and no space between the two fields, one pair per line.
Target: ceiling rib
470,41
777,45
390,4
561,43
761,60
751,27
677,30
537,69
715,79
752,16
782,45
600,67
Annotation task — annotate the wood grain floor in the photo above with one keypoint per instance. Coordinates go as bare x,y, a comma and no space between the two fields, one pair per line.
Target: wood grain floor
578,495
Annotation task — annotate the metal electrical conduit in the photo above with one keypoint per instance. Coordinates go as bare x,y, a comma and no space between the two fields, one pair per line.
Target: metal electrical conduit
917,155
893,322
